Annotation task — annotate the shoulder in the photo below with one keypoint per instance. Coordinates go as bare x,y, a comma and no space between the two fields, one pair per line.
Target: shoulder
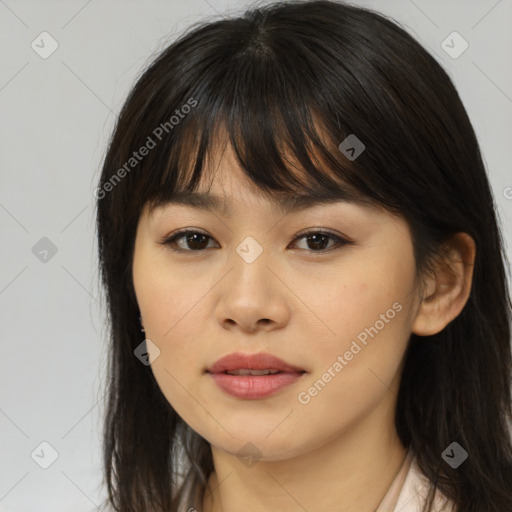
415,491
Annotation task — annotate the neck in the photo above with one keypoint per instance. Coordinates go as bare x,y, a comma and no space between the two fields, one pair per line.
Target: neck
351,472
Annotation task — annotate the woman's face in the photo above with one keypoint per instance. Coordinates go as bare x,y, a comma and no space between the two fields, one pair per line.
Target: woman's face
340,315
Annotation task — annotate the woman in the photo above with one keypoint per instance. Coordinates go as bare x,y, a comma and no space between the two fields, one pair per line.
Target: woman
305,277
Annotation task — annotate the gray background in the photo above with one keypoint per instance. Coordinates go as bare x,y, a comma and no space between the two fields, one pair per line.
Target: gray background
55,118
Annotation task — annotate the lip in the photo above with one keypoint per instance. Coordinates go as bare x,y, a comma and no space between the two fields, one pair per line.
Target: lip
261,361
253,386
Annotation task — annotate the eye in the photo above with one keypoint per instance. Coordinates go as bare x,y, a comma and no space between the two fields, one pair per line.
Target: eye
191,240
318,240
197,240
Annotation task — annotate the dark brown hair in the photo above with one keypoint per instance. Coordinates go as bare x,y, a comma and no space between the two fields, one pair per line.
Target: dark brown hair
296,78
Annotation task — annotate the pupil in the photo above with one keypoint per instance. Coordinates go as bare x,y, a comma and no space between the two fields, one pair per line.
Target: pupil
316,241
193,240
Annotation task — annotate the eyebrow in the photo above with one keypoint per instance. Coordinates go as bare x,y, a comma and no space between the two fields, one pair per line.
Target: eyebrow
284,204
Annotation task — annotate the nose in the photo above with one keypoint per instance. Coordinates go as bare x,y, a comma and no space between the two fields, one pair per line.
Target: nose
252,298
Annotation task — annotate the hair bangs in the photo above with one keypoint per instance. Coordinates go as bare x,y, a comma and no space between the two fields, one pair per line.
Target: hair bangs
282,143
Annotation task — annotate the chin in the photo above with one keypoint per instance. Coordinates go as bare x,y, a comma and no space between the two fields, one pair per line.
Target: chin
258,445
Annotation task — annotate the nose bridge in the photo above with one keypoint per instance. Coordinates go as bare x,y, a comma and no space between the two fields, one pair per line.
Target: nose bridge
250,250
249,294
249,262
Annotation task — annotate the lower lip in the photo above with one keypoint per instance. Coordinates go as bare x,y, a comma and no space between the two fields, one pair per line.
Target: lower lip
254,387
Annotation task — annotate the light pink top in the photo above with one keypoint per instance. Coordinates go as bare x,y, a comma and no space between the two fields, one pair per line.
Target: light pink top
409,490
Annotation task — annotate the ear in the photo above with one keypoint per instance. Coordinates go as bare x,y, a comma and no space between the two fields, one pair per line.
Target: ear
446,291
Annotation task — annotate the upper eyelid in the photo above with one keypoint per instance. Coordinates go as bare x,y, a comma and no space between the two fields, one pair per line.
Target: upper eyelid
307,231
340,238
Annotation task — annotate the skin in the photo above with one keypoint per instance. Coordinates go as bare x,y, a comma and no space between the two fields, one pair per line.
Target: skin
340,451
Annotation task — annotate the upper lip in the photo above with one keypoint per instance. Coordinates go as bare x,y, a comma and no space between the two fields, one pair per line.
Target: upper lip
262,361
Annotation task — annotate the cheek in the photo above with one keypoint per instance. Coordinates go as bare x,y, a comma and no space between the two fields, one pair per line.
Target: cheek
365,328
172,306
159,302
172,318
364,295
173,324
165,295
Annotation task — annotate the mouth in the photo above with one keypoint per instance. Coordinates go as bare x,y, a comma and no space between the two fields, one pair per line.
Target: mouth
238,362
253,376
244,371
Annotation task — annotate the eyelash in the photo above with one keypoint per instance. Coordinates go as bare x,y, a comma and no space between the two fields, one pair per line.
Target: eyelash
171,240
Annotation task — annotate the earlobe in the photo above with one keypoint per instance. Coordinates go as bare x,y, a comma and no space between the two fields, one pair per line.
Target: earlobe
448,289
